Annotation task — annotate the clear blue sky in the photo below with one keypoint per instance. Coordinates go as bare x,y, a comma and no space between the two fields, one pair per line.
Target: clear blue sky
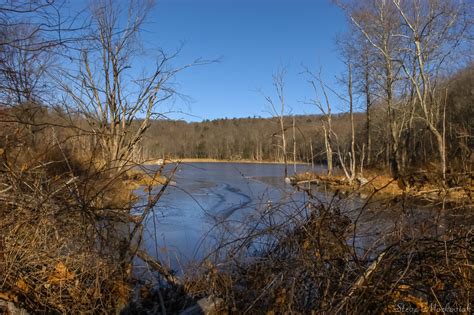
253,38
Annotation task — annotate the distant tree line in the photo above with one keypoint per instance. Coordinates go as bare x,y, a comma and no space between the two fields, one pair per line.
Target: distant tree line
238,138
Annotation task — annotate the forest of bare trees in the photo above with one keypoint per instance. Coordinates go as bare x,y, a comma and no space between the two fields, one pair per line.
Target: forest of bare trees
242,138
407,54
255,139
408,86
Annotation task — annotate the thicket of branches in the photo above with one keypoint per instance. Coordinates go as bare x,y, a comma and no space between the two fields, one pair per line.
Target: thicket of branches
67,234
407,56
68,237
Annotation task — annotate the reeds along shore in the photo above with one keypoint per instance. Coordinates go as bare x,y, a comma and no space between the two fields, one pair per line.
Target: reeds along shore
424,186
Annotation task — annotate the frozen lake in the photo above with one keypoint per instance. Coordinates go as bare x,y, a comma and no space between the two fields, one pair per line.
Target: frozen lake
183,226
215,203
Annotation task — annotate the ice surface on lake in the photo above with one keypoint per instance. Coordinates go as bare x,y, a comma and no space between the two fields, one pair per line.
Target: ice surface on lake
183,224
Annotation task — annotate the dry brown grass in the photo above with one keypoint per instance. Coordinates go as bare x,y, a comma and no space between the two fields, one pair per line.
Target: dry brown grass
67,234
137,177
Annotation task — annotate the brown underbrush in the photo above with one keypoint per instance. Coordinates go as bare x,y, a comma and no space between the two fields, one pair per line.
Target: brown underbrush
319,263
66,231
68,241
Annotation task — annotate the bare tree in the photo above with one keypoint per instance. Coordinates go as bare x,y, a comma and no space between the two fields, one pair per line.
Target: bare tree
326,118
43,25
354,47
350,169
432,31
351,114
366,87
22,70
278,110
117,104
31,33
378,22
362,55
294,144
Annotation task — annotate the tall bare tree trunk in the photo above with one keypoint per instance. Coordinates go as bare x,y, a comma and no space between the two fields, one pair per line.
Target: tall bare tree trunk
368,105
326,118
353,155
279,110
442,151
329,153
283,145
391,119
294,145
